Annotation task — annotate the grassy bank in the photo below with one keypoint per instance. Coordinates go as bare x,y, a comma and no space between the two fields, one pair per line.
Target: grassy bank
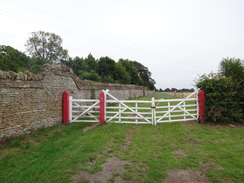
56,154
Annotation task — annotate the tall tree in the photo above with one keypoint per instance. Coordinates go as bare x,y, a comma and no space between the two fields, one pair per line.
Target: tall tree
47,46
232,67
107,69
13,60
91,62
121,74
131,69
145,75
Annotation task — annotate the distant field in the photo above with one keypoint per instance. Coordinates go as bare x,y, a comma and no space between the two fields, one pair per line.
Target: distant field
167,95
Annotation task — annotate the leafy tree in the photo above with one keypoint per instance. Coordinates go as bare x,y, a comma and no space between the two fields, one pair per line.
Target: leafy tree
167,90
47,46
121,74
106,69
92,75
91,62
36,64
145,75
232,67
13,60
132,71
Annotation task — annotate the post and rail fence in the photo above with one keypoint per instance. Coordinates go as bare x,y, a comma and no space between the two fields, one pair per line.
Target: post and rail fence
109,109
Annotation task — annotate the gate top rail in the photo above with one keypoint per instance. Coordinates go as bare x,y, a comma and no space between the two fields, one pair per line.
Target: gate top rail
130,101
175,100
84,100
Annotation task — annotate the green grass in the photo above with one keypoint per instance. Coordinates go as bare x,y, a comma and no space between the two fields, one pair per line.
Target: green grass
55,154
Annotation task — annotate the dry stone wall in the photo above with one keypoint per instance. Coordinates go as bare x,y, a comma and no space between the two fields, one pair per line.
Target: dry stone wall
29,101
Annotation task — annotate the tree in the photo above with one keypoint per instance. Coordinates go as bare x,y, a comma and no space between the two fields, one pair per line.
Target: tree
37,64
47,46
232,67
13,60
91,62
145,75
92,75
173,89
121,74
106,69
131,69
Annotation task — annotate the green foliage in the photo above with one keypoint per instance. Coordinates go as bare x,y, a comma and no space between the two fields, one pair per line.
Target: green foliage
232,67
13,60
224,92
121,74
145,75
132,71
36,64
91,62
47,46
92,75
106,69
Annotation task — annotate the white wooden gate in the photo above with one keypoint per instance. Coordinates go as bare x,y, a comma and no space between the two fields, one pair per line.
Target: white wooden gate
173,110
135,111
83,110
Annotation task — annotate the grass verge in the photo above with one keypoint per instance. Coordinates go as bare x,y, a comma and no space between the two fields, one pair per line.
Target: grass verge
54,154
57,153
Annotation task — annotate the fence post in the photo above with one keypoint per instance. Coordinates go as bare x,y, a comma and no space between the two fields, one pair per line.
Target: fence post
201,98
153,107
66,107
102,108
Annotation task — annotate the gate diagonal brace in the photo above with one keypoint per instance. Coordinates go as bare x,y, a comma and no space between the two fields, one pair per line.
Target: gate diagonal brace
117,114
90,114
187,113
86,111
106,92
173,108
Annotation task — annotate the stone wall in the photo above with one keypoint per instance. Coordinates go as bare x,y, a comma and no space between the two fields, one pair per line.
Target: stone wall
29,101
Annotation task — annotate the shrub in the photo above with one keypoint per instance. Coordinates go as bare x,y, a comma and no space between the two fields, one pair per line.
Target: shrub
222,99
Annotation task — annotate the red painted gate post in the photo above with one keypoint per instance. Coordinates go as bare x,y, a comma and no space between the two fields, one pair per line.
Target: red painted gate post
66,107
201,98
102,108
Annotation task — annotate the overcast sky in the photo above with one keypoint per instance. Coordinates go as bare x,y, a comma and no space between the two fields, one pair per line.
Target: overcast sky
176,39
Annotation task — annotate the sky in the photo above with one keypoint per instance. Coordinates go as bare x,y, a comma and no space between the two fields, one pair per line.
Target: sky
177,40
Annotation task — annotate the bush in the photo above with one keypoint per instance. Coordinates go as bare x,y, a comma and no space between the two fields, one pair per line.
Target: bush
223,98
